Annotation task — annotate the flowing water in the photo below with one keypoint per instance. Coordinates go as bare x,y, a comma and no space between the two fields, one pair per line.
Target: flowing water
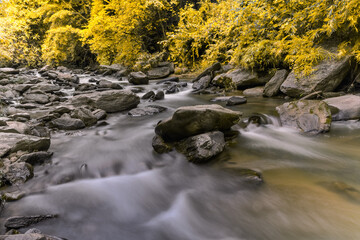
107,183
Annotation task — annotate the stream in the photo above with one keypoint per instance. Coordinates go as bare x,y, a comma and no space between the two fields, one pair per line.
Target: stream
107,182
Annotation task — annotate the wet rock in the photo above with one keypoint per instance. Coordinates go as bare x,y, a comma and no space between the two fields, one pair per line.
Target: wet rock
26,221
236,100
40,98
201,148
240,78
21,88
160,95
20,115
146,110
202,83
109,101
85,87
9,70
99,114
108,84
20,142
172,89
17,173
209,71
36,158
345,190
29,236
326,78
344,107
148,95
254,92
47,88
159,72
40,131
168,80
272,88
67,123
160,146
309,116
84,115
13,196
16,127
194,120
138,78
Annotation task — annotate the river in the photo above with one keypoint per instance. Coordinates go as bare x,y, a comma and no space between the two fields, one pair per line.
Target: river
107,183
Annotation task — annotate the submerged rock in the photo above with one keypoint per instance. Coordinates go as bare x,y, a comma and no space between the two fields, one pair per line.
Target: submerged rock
36,158
26,221
194,120
309,116
203,147
17,173
344,107
160,146
326,78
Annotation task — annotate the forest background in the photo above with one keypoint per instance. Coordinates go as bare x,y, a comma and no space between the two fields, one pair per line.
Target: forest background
254,34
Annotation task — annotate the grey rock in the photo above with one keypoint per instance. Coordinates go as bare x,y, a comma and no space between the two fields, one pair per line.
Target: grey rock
85,87
309,116
344,107
36,158
202,83
254,92
13,196
17,173
240,78
194,120
138,78
172,89
160,95
109,84
109,101
29,236
99,114
209,71
26,221
146,110
202,148
66,123
18,127
168,80
148,95
326,78
19,142
21,88
272,88
159,72
236,100
40,98
47,88
9,70
160,146
84,115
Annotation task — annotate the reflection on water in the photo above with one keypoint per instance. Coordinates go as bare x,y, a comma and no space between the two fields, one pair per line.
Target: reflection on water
107,183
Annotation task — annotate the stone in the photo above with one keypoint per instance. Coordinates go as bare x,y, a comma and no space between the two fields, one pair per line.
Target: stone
254,92
29,236
236,100
309,116
148,95
47,88
85,87
202,148
84,115
326,78
344,107
146,110
17,173
160,95
67,123
40,98
272,88
21,88
240,78
19,142
9,70
108,84
19,127
202,83
172,89
193,120
99,114
13,196
159,72
160,146
110,101
36,158
138,78
168,80
209,71
26,221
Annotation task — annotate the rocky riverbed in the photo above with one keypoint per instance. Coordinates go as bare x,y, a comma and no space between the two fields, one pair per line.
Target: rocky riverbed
39,104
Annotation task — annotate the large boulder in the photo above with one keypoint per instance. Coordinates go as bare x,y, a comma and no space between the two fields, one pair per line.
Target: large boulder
309,116
138,78
67,123
17,173
344,107
240,78
12,142
194,120
9,70
326,78
272,88
202,83
109,101
203,147
159,72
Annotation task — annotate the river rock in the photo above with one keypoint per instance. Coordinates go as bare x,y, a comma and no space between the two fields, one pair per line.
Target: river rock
193,120
26,221
168,80
240,78
17,173
159,72
99,114
138,78
84,115
160,146
67,123
47,88
38,97
108,84
109,101
344,107
202,83
326,78
272,88
36,158
20,142
9,70
236,100
146,110
148,95
18,127
201,148
254,92
209,71
309,116
21,88
172,89
160,95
